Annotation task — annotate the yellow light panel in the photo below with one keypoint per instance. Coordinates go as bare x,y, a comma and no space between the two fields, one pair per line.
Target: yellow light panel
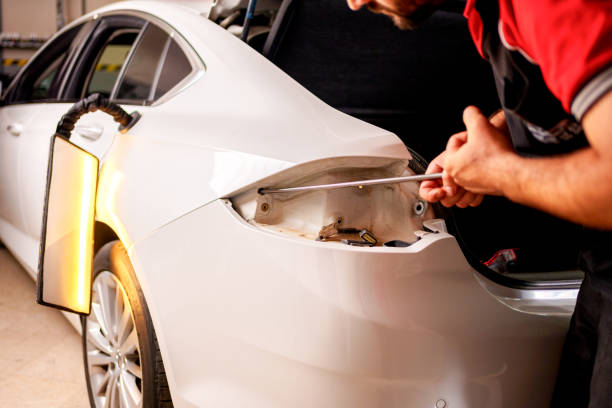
67,249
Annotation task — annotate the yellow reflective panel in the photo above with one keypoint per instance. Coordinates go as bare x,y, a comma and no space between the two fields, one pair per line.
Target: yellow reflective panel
67,251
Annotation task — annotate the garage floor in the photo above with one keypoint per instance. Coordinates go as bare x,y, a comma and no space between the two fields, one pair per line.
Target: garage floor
40,352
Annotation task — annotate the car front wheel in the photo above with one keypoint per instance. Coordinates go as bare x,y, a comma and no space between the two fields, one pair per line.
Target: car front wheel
123,365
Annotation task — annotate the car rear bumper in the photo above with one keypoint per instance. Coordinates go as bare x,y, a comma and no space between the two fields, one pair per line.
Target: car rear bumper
247,317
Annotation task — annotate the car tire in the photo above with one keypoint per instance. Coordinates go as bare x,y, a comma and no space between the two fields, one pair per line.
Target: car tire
121,355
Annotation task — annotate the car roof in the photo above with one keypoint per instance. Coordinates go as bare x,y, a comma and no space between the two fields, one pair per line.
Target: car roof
199,6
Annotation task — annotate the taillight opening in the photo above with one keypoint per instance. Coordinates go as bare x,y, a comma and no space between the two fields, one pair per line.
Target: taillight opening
361,216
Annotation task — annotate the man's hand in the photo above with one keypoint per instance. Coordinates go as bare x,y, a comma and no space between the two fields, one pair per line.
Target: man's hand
576,186
447,190
478,164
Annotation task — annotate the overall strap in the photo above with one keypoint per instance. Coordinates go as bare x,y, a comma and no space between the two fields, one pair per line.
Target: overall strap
537,121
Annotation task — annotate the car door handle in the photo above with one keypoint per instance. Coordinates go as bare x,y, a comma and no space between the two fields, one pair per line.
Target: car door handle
91,132
15,129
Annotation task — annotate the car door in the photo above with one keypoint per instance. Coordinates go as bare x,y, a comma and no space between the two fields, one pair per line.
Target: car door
127,59
96,67
32,94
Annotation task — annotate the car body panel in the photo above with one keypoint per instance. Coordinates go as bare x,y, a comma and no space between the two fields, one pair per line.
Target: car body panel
13,116
34,154
204,167
232,153
29,168
290,322
31,153
246,120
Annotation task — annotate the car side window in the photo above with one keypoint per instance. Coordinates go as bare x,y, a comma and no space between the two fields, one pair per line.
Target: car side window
109,63
156,66
39,81
140,74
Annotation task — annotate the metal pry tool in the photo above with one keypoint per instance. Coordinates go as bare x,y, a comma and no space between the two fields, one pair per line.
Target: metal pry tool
359,184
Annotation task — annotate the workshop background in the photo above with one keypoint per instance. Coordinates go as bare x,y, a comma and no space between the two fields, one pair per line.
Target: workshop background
26,24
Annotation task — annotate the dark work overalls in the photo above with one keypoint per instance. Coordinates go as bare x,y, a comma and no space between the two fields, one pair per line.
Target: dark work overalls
539,126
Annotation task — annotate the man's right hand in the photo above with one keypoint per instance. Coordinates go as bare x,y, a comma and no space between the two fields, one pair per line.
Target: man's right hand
446,191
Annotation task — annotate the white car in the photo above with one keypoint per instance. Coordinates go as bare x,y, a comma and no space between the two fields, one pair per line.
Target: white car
208,291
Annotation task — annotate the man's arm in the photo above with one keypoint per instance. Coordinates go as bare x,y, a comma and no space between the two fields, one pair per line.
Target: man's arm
575,186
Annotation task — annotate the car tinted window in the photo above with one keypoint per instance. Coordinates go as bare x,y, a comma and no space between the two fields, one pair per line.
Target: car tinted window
140,74
42,85
176,67
39,81
109,63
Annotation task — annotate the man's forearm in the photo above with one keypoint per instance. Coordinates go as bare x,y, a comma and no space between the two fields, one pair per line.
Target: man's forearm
576,186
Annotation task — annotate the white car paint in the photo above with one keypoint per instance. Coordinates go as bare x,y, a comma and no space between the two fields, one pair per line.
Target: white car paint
248,317
258,96
278,321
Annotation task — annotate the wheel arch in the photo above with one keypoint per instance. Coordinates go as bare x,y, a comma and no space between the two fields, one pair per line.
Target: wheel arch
103,234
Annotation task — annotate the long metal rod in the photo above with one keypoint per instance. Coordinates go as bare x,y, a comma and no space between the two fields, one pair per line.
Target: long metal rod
360,183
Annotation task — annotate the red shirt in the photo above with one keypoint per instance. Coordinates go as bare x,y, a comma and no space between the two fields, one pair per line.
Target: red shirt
570,40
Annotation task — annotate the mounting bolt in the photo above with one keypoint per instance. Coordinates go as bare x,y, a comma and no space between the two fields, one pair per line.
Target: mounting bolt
419,207
264,207
440,404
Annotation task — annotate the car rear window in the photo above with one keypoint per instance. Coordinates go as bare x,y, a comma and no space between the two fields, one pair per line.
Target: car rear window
141,71
157,65
176,67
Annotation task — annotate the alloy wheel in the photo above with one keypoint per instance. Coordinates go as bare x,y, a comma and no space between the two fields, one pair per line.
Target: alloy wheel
113,352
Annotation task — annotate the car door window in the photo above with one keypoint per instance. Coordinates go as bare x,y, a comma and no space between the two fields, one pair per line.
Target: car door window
42,85
40,81
109,63
103,55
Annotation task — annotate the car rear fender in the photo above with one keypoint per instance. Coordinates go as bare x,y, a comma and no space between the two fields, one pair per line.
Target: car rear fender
251,317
